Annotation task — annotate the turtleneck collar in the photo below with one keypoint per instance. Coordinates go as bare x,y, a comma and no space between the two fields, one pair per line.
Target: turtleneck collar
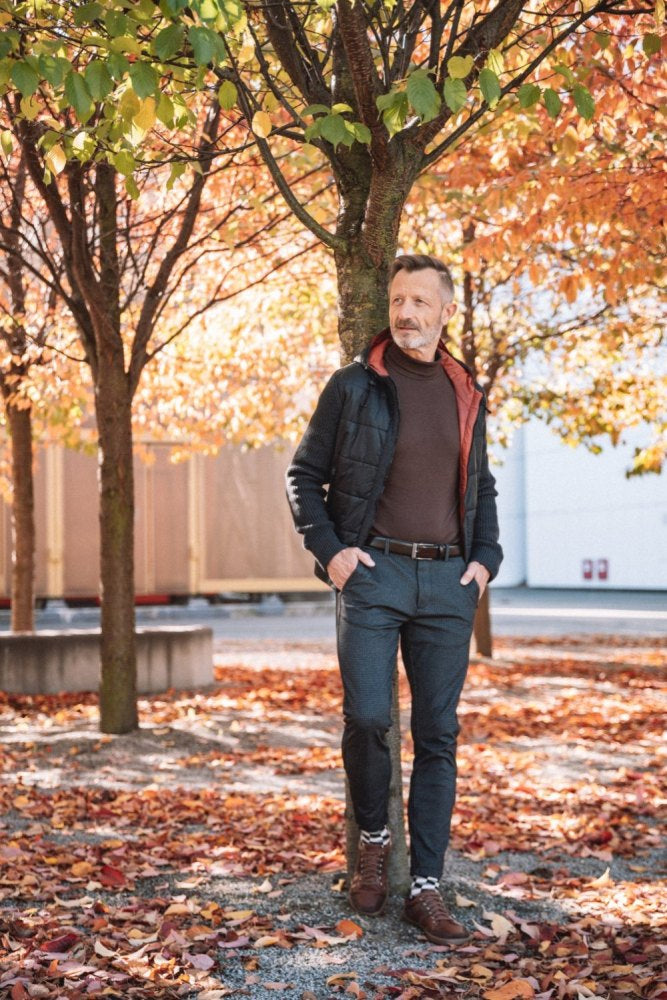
396,358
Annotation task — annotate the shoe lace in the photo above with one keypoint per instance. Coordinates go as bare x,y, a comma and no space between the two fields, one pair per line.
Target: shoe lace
371,863
433,904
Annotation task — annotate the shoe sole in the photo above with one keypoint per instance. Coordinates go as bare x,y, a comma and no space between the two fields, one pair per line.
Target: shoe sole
433,938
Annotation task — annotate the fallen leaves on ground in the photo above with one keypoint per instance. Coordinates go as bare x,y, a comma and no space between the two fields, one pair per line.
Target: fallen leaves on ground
111,848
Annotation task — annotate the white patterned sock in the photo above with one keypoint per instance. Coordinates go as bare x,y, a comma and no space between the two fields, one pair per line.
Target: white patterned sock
376,837
421,882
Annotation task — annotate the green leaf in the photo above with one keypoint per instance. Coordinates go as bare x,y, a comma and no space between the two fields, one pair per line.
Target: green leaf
7,142
386,101
422,95
145,80
54,69
394,108
117,65
168,42
362,133
144,10
584,103
564,71
339,108
332,128
25,78
177,170
227,95
232,13
117,24
316,109
98,79
489,84
208,10
529,94
495,61
651,44
458,67
87,13
165,110
455,94
174,7
552,102
207,46
131,188
78,95
603,38
124,162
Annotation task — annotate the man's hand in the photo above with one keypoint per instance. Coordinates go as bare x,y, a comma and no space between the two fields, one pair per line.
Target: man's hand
475,571
344,563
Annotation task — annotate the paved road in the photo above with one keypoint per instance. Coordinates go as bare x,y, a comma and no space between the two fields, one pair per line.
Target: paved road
514,611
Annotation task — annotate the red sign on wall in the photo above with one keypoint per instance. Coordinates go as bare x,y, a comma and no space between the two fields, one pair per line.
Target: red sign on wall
587,569
603,569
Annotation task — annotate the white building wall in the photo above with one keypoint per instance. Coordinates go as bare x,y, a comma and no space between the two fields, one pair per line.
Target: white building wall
580,510
510,483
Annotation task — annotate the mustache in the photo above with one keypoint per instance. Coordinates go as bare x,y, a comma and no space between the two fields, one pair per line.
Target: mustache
407,326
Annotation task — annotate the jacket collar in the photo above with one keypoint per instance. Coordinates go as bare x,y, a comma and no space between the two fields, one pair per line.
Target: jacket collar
373,357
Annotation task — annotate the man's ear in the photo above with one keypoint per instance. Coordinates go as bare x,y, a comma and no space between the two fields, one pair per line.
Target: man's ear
448,311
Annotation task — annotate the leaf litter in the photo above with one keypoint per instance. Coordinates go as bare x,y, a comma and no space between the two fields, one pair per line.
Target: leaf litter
201,857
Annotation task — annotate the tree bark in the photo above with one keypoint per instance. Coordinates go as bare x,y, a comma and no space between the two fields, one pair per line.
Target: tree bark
363,275
113,408
23,520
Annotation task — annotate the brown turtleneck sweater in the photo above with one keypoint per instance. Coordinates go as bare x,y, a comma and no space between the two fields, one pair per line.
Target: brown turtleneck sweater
420,502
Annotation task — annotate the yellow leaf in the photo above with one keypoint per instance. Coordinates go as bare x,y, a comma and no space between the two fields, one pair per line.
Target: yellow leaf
603,881
237,914
458,67
271,103
500,925
81,868
145,117
55,159
21,801
462,901
176,908
339,978
245,54
266,941
495,61
659,12
261,124
516,989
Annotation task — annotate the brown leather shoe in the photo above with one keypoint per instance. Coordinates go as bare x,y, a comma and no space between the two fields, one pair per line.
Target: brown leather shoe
369,885
427,912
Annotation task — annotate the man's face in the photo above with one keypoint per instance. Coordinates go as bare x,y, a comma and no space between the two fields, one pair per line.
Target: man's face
417,311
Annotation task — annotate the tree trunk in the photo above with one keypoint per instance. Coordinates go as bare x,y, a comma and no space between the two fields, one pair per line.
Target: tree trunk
113,407
23,520
482,628
363,312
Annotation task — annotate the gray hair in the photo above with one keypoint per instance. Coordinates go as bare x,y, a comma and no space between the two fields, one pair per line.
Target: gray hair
420,262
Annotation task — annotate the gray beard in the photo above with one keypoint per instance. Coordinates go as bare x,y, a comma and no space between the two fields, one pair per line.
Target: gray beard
414,339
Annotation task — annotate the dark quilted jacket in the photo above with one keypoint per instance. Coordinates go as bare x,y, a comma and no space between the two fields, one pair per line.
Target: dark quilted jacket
339,469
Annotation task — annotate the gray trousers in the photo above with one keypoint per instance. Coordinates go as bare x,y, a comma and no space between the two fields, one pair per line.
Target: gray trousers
422,605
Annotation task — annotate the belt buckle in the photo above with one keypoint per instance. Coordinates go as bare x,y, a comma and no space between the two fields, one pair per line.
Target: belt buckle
413,554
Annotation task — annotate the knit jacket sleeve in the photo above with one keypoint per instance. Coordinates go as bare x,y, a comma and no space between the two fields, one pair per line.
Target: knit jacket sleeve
485,547
309,473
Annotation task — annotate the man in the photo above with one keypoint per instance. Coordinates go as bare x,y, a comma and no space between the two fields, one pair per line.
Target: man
407,534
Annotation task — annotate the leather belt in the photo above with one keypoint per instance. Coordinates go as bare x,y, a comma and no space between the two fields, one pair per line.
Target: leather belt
416,550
